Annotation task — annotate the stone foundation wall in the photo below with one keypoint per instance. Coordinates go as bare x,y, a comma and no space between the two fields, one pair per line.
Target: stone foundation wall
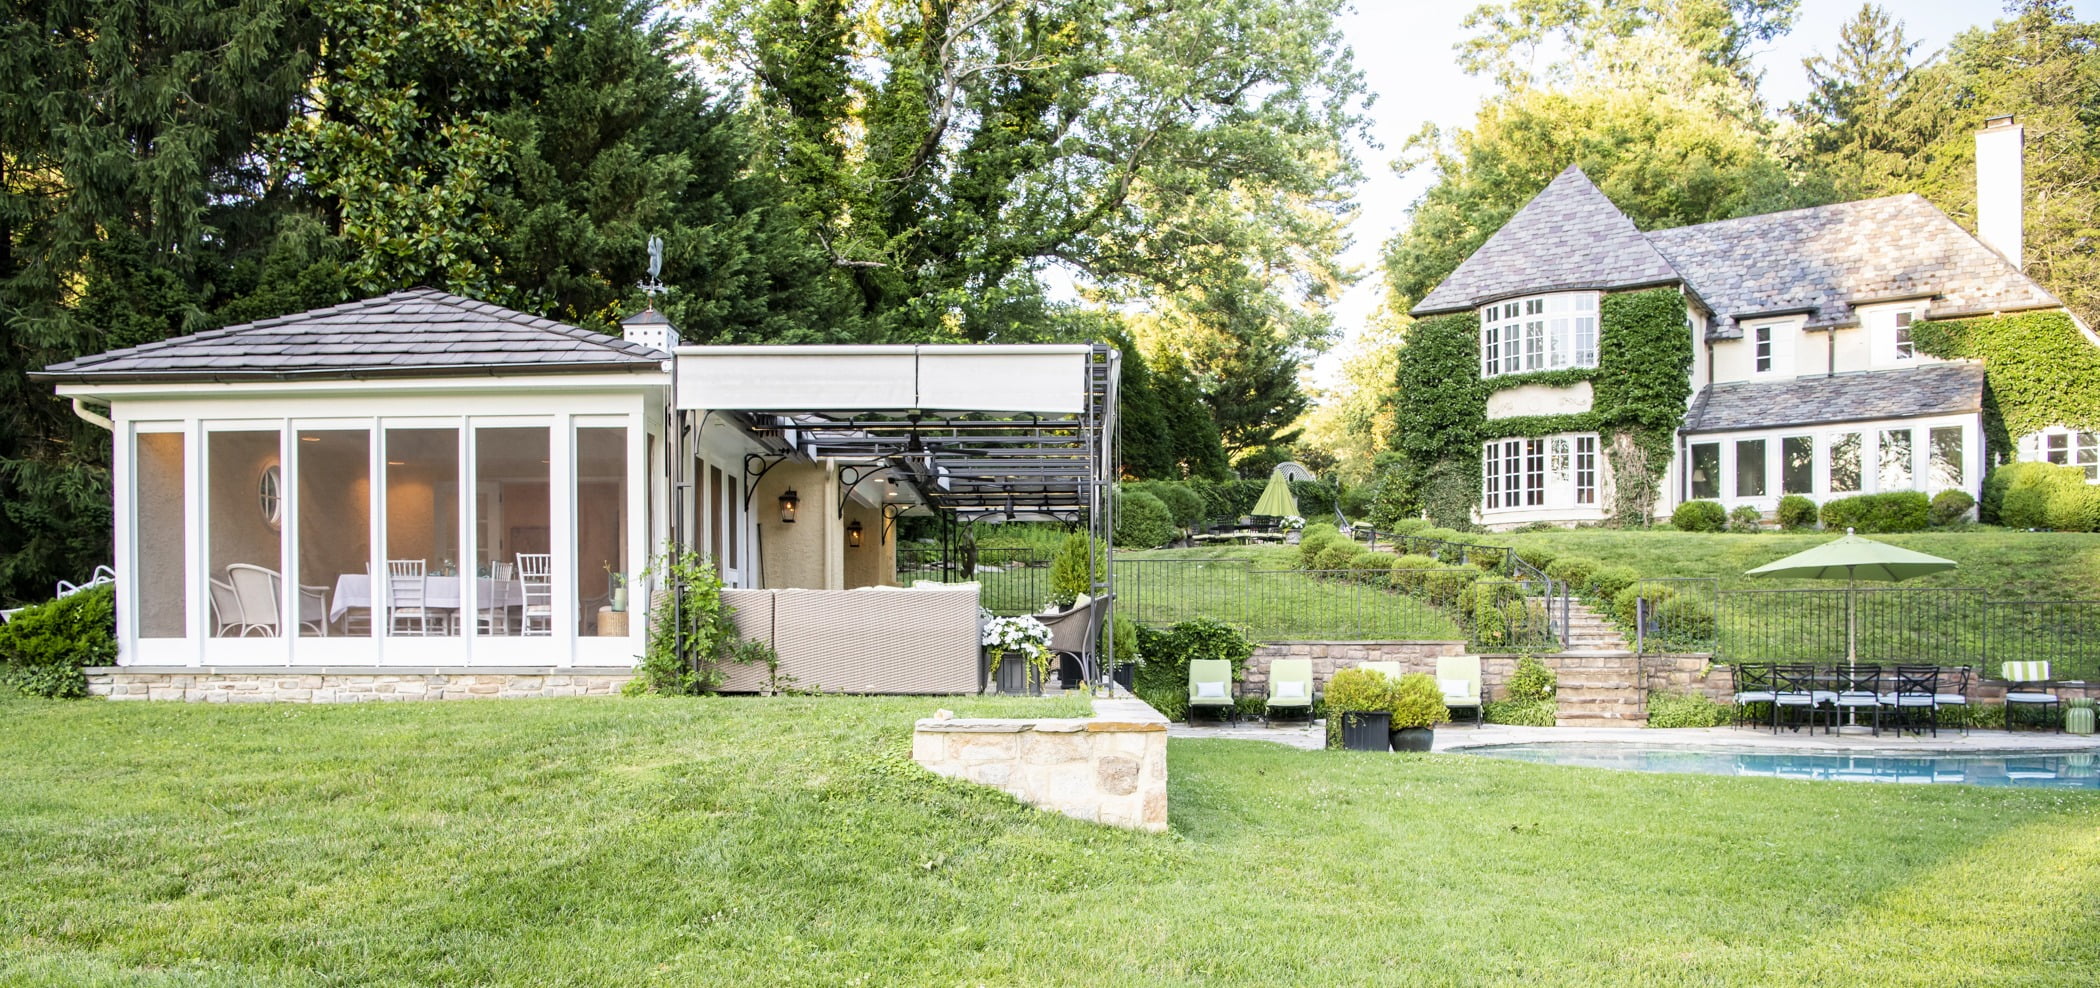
1329,657
1109,768
208,685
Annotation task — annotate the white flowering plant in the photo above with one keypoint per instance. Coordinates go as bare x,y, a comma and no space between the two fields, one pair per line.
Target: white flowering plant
1023,634
1292,523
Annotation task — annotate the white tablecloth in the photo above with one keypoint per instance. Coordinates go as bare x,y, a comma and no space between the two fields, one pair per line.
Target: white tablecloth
441,593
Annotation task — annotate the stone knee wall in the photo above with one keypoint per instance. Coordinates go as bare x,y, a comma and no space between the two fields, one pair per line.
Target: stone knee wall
1109,768
1330,657
207,685
1688,673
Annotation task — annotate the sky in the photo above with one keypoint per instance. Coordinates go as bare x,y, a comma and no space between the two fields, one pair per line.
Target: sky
1404,48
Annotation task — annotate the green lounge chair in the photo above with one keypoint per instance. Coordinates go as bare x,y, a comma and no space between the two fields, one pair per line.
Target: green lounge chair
1290,687
1458,676
1210,688
1390,670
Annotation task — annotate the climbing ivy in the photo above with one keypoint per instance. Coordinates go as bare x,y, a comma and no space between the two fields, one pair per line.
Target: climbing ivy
1438,412
2039,370
1644,376
1563,378
1640,383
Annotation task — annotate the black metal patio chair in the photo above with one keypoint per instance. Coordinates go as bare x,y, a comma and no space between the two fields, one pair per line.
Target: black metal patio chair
1916,689
1753,684
1855,688
1794,688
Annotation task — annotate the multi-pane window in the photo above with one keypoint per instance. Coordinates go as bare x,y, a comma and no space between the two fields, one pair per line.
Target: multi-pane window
1585,469
1514,473
1845,467
1797,465
2080,449
1534,471
1761,340
1946,457
1705,479
1546,332
1895,460
1904,349
1750,468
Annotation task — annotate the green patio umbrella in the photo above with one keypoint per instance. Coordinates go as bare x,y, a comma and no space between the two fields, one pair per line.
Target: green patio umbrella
1276,500
1852,559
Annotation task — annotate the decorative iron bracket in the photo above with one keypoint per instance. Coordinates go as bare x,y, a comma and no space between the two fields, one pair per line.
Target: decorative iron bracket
753,476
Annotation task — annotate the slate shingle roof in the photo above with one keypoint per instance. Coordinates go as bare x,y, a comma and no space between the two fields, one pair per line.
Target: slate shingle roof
1827,258
421,332
1932,389
1568,237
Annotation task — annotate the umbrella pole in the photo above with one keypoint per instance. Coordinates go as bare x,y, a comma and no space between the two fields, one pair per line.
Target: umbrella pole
1851,642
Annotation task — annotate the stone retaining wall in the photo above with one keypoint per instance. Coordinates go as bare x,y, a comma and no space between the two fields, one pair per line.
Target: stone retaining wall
1330,657
214,685
1109,768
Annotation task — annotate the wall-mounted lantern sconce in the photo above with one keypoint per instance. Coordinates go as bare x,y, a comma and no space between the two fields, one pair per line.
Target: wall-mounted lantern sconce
787,507
853,535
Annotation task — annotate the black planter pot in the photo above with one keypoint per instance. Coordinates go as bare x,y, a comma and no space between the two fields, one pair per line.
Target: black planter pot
1366,730
1413,738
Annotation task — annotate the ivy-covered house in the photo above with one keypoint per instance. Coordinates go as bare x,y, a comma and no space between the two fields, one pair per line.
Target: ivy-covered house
1854,348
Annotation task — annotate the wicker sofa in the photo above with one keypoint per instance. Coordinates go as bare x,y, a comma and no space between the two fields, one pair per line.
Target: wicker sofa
870,640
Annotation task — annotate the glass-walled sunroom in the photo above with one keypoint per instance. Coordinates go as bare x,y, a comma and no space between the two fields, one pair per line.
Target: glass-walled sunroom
411,540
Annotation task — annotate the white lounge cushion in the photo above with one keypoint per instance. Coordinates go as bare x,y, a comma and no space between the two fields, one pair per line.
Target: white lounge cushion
1754,696
1290,691
1950,699
2025,697
1210,691
1454,688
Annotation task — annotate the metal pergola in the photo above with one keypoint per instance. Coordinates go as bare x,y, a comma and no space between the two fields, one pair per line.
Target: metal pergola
966,465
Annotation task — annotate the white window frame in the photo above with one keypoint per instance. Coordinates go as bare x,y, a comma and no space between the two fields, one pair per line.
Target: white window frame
1561,472
2077,447
1557,331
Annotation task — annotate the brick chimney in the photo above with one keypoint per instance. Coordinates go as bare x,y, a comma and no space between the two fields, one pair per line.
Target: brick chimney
2001,188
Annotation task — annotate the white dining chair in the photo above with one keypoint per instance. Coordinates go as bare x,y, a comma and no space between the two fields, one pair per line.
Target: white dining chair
407,596
255,587
495,605
536,572
225,608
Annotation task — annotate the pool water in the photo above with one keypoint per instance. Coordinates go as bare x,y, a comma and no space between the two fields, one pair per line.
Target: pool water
2052,770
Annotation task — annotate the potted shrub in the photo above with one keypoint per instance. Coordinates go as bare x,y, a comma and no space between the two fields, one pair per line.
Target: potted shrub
1362,701
1418,707
1024,639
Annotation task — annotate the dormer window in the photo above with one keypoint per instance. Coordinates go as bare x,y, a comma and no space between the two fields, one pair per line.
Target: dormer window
1904,350
1761,340
1544,332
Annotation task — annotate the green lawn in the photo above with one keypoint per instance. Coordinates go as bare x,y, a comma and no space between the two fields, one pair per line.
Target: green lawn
1259,590
610,841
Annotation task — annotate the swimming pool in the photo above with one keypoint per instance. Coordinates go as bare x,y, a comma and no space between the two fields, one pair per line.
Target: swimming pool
2051,770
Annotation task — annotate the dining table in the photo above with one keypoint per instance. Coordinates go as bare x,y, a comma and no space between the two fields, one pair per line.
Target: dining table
440,593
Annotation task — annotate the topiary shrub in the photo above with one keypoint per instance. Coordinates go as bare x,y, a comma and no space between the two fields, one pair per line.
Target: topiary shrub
1574,571
1746,520
1796,513
1068,569
1623,604
1411,574
1538,557
1531,680
1684,621
1447,583
1699,516
1686,710
2016,495
1418,702
1374,568
1339,555
2074,508
44,648
1607,582
1313,543
1895,511
1949,507
1142,522
1183,505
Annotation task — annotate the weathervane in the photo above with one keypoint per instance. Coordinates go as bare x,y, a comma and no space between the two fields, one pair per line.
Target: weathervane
655,286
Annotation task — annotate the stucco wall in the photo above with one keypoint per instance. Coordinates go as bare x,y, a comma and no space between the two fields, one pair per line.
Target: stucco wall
1539,399
804,554
875,562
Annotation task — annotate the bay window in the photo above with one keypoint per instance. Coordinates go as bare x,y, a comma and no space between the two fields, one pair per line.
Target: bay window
1546,472
1545,332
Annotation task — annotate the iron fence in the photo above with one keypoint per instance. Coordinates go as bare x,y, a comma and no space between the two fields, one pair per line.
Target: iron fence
1335,605
1672,614
2064,633
1010,581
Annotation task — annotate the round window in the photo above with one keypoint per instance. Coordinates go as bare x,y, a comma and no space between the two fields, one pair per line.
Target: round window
269,496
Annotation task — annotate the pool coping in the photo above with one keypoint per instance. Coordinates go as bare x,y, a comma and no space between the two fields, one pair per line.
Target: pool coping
1980,742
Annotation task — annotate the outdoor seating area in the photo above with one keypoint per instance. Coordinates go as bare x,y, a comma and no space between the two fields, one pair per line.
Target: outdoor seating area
1904,697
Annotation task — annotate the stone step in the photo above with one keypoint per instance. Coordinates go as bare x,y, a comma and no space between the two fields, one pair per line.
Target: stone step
1633,720
1592,684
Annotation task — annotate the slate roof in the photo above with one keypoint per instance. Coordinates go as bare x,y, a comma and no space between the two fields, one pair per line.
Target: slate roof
1568,237
417,333
1930,389
1827,258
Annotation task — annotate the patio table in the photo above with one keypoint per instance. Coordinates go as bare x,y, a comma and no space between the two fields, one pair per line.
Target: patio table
440,593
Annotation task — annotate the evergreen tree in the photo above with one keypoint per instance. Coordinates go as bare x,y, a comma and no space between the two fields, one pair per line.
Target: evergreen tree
1855,115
